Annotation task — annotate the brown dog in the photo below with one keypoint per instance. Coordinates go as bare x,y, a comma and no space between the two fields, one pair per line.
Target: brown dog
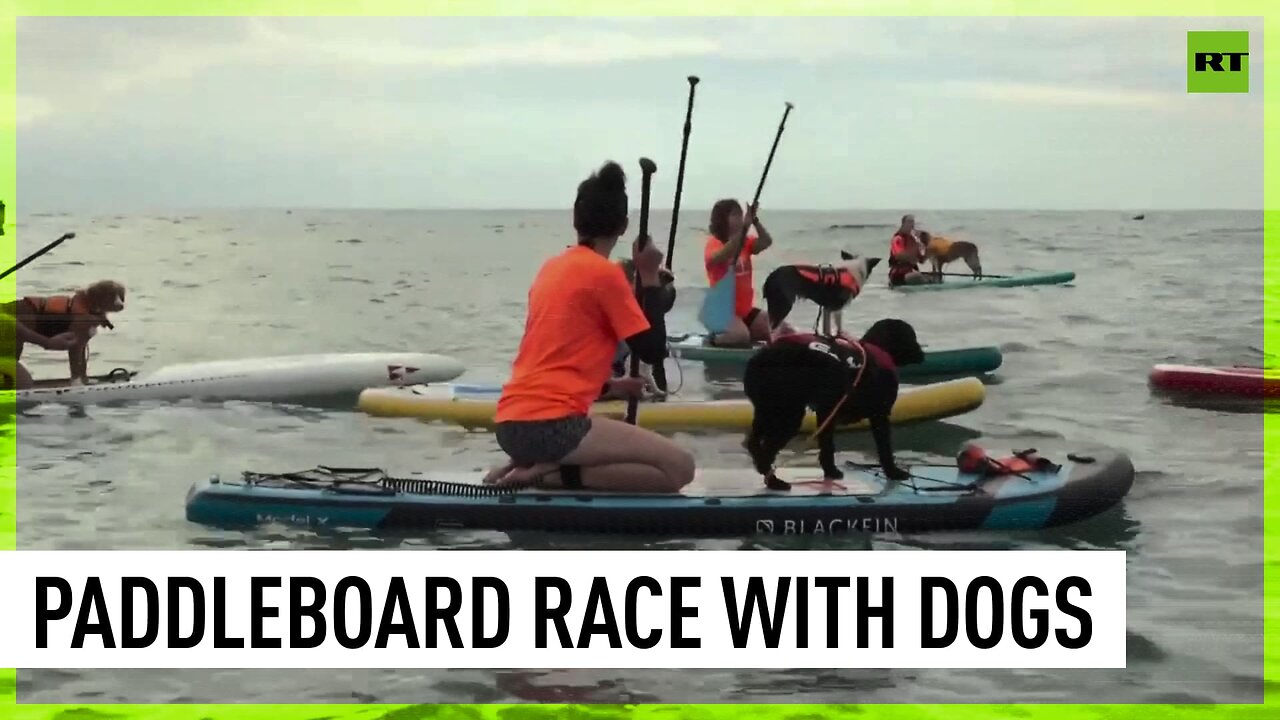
70,320
940,251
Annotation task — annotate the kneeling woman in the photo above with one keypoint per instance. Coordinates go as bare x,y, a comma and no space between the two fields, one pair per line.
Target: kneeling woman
580,309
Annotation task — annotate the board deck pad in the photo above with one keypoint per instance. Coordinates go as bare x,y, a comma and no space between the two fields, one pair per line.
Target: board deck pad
1028,280
721,501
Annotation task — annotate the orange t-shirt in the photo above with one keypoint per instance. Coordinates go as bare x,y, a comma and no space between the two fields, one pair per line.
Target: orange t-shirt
744,290
580,308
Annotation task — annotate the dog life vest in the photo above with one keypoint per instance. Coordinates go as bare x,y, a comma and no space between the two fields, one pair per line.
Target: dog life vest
54,314
842,350
830,276
973,459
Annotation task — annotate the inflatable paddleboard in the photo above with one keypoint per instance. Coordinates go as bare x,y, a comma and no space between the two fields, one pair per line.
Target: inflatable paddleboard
962,361
954,283
264,379
1245,382
720,502
473,406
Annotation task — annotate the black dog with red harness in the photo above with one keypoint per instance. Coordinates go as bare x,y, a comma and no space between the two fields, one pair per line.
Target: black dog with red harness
841,380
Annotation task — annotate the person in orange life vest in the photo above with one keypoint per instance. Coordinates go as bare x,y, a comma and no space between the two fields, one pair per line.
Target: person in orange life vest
906,252
580,308
63,322
730,248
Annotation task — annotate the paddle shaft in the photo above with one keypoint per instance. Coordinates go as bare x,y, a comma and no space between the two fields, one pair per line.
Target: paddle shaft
755,202
969,275
684,151
648,168
660,370
37,254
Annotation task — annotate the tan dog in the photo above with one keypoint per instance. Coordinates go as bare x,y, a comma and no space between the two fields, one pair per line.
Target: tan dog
78,315
940,251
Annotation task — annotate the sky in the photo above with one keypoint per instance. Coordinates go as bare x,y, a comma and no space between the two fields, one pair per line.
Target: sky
923,113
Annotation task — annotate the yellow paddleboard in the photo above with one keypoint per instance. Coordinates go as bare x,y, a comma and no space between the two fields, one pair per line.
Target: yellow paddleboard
473,406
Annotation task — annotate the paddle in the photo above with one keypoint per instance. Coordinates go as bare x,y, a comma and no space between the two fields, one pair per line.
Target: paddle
648,168
755,202
660,370
684,151
37,254
970,275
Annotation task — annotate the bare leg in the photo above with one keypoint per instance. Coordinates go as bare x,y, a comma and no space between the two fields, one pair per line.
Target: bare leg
24,380
619,477
509,474
617,456
736,335
919,278
761,328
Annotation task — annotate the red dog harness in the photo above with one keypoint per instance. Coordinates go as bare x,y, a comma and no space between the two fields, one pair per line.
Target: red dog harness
842,349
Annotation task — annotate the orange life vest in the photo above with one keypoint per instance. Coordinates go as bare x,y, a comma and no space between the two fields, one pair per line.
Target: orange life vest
829,275
973,459
53,315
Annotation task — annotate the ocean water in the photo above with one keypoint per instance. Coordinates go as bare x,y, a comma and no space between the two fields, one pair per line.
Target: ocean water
1181,287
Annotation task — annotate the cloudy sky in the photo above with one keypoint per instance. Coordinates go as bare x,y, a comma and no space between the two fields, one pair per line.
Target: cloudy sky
929,113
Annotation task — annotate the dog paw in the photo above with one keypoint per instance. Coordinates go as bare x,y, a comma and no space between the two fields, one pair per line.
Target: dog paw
897,474
773,482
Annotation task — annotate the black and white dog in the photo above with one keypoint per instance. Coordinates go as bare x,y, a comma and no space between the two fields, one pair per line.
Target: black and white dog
856,381
830,287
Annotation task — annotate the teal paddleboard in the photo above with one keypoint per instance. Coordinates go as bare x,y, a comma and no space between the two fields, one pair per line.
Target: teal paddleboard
962,361
954,283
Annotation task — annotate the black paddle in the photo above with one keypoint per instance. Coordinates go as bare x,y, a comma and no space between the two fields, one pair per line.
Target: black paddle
755,202
684,151
37,254
969,275
648,168
660,370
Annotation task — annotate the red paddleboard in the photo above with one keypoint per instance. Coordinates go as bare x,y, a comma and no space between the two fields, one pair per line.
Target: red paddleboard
1230,381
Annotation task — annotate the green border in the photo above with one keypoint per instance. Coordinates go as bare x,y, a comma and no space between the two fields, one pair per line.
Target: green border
8,291
1173,8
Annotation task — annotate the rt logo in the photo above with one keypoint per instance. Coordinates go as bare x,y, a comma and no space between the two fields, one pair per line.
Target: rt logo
1217,61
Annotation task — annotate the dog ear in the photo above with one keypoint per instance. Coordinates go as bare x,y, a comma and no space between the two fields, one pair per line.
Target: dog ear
898,338
906,350
871,263
846,255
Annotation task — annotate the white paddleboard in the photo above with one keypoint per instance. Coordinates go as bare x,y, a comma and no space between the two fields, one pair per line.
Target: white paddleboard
257,379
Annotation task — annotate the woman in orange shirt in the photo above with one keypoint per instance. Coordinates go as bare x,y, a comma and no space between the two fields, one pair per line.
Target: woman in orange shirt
730,248
580,309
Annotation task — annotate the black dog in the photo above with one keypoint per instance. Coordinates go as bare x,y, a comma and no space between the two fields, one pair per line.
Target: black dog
830,287
800,372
